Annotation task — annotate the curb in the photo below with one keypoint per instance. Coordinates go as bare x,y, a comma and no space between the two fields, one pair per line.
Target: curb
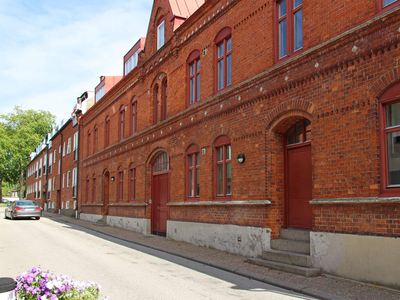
252,276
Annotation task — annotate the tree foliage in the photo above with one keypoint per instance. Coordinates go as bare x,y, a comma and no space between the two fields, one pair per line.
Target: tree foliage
20,133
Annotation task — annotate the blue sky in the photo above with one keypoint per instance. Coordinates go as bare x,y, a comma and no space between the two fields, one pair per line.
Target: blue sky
52,51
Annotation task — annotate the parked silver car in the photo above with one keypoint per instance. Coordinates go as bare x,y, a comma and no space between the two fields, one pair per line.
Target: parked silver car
23,209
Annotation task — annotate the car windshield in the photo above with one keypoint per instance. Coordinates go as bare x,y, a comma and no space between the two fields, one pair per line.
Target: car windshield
26,203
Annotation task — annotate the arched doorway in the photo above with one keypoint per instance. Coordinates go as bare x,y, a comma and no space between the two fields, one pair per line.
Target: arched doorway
106,192
298,176
160,194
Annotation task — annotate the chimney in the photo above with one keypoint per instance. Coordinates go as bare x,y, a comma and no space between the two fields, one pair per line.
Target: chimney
102,78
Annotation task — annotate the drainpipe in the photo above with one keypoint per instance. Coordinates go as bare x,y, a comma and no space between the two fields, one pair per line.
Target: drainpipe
47,179
61,173
77,174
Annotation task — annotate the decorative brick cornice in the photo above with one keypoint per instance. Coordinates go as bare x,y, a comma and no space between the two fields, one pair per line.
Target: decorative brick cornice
221,203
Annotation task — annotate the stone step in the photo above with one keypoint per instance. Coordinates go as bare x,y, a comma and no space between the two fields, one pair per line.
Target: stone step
291,246
307,272
101,222
296,234
290,258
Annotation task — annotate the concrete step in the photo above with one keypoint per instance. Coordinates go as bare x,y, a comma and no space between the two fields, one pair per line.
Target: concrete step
291,246
290,258
296,234
307,272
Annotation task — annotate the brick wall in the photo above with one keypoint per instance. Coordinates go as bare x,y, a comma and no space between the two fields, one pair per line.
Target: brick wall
329,84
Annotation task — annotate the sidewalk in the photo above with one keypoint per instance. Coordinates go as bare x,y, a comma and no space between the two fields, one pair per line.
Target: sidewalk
322,286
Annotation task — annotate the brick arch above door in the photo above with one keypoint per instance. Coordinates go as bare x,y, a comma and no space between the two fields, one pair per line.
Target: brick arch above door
294,107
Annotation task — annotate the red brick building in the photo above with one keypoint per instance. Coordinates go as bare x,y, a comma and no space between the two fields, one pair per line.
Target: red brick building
257,127
52,174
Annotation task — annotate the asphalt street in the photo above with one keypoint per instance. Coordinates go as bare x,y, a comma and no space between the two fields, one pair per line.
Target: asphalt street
124,270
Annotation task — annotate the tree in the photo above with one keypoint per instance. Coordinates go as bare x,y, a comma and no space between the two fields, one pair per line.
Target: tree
20,133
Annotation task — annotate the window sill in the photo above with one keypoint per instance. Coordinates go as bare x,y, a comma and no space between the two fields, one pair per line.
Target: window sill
215,203
91,204
360,200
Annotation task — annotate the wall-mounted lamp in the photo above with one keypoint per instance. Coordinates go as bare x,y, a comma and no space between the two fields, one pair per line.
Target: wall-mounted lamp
112,178
240,158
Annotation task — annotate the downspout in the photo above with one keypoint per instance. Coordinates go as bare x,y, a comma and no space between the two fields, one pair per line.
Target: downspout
77,176
61,173
47,180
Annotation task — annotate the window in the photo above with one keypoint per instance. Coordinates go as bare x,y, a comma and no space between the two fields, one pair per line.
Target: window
100,93
76,146
194,77
164,100
63,180
68,177
49,190
95,138
59,166
44,164
389,123
156,104
134,115
74,181
120,183
161,164
223,63
94,189
40,189
132,182
107,132
69,146
289,27
132,62
63,153
121,122
160,33
222,165
40,167
87,188
193,171
54,183
88,143
385,5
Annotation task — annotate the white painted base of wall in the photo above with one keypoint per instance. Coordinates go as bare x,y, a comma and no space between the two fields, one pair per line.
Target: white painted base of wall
364,258
90,217
253,242
133,224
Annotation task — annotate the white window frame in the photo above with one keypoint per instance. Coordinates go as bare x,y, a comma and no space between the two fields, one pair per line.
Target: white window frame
100,93
63,152
40,189
54,157
69,146
54,183
59,166
63,183
132,62
161,35
68,176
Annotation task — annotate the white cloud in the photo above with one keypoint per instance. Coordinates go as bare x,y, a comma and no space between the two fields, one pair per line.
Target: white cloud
54,51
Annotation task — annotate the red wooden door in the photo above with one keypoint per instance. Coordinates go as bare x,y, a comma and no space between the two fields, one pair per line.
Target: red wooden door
299,187
159,205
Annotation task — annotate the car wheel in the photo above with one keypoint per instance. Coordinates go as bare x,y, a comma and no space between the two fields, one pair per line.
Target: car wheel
37,218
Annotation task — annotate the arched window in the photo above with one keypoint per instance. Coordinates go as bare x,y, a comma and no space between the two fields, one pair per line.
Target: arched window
385,5
164,100
121,122
223,59
222,167
107,132
132,182
389,127
300,133
87,188
161,164
120,183
88,142
134,115
193,172
95,139
193,77
156,104
94,188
